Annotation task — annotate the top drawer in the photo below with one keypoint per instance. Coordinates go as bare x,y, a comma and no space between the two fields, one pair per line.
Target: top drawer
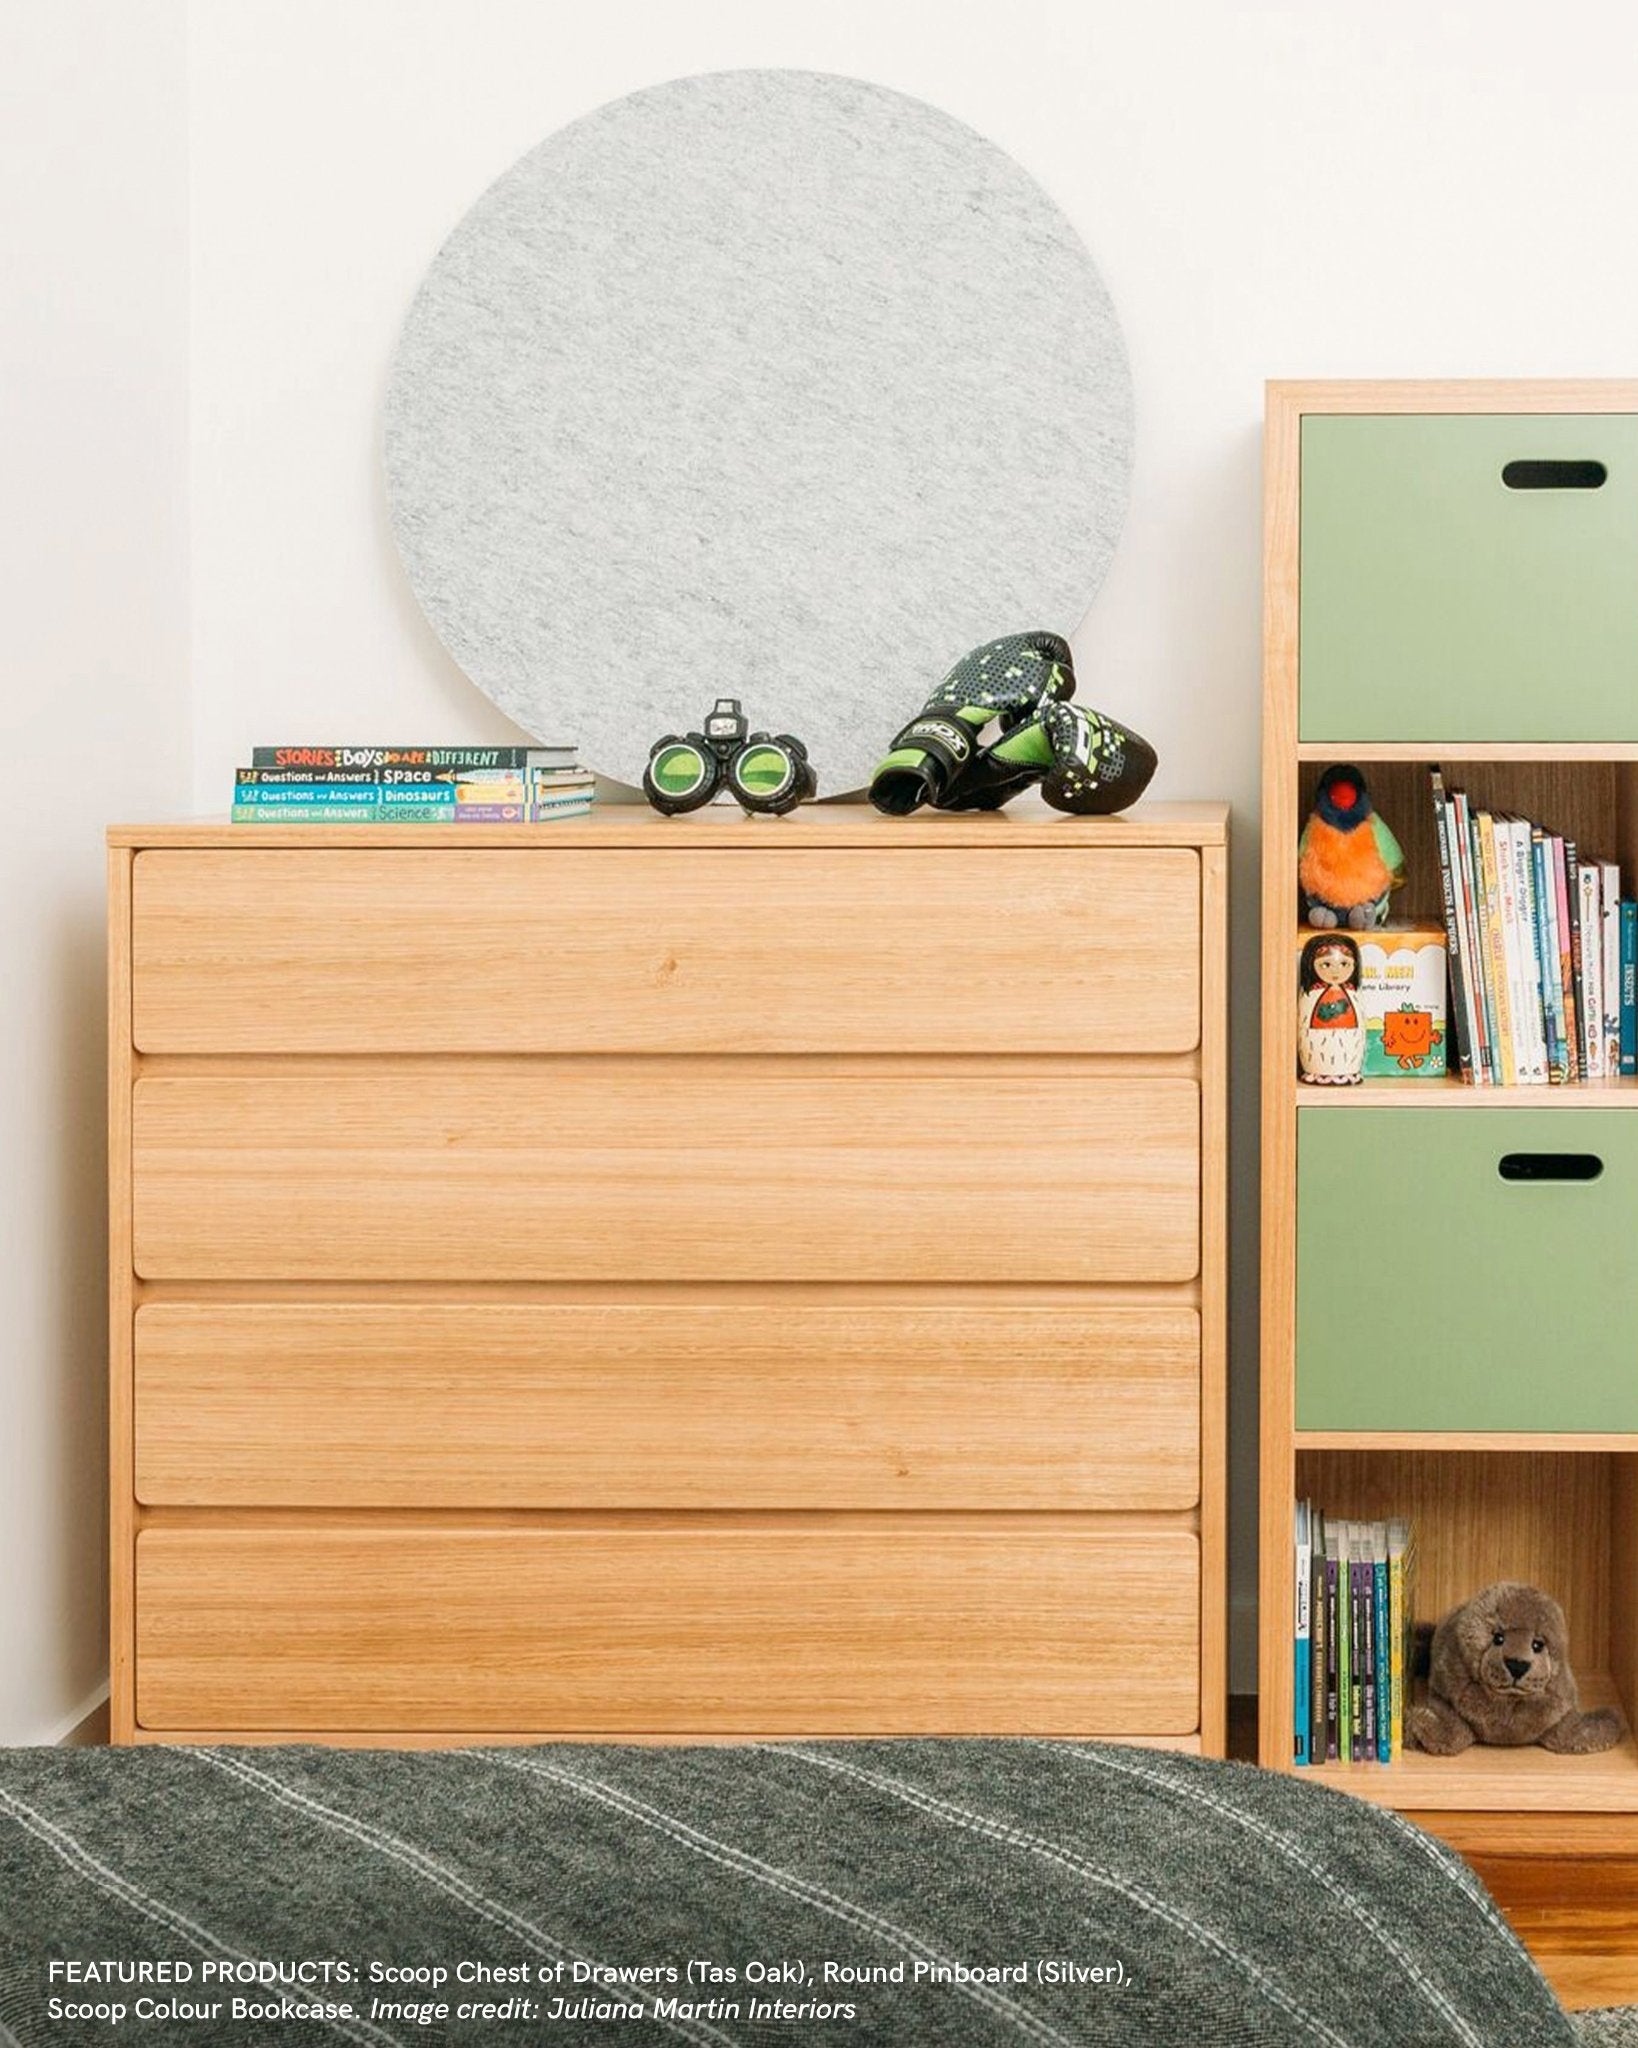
696,949
1459,585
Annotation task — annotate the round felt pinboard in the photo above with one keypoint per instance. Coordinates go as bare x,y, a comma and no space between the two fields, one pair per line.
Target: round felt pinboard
765,384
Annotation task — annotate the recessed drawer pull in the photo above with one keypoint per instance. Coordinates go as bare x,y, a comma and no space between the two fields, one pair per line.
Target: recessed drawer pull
1550,1166
1548,473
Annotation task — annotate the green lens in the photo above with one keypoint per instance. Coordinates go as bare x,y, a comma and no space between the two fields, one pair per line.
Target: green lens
763,771
678,770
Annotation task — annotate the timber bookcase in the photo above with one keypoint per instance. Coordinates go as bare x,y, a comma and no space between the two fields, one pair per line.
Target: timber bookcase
1436,1343
674,1278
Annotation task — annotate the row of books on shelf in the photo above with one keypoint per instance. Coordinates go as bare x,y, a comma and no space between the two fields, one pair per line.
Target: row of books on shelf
1543,950
1355,1598
411,786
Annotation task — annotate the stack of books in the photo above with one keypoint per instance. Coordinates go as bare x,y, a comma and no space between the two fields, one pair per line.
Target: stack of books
411,786
1355,1599
1543,951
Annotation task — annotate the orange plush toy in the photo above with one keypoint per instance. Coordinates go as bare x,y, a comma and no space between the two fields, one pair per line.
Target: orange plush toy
1348,862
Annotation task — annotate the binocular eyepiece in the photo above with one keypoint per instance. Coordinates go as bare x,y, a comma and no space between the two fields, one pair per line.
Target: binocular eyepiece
767,774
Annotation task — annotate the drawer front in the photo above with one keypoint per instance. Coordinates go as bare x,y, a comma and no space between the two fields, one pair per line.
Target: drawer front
1440,604
743,1404
1436,1294
665,1169
832,1628
758,949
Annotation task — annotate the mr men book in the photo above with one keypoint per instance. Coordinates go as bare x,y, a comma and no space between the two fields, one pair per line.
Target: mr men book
1402,1001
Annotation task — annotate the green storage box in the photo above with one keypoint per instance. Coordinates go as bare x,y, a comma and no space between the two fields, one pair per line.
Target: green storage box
1466,577
1458,1271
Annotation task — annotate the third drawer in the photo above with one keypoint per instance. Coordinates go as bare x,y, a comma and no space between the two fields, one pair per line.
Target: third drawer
743,1403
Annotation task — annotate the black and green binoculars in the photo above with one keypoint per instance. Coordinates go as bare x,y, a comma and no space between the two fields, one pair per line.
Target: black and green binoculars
1001,722
766,773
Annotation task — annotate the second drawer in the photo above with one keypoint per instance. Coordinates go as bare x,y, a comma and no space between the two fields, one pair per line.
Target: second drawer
1456,1275
668,1169
742,1404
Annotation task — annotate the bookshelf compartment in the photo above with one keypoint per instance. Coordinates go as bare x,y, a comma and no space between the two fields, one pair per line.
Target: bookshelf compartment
1446,598
1594,803
1566,1521
1507,1299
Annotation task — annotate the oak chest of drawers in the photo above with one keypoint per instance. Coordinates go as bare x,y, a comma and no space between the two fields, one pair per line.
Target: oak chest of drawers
649,1277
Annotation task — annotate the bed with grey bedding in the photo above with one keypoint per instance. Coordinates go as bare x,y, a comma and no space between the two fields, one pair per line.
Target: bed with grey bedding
925,1894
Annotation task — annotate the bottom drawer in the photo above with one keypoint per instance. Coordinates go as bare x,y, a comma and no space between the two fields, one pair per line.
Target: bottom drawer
710,1627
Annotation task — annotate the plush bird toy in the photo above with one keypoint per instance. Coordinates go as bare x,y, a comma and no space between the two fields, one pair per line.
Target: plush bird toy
1348,862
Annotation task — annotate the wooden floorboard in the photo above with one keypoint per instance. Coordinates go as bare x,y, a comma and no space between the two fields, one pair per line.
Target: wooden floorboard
1573,1903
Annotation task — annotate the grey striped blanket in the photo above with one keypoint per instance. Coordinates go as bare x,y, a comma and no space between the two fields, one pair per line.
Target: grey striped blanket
924,1894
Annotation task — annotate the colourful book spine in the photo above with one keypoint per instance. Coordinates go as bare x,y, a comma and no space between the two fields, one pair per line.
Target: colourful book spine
1475,948
1609,894
1629,988
1508,911
1461,1000
1335,1667
1361,1674
1496,949
273,796
1319,1629
1304,1640
306,814
1591,924
1398,1673
1547,945
1563,858
328,778
1382,1640
1530,958
413,757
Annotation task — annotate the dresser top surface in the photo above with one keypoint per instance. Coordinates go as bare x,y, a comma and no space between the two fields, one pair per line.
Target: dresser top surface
723,825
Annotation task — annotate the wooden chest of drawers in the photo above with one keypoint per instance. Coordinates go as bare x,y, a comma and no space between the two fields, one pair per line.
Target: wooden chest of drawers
655,1277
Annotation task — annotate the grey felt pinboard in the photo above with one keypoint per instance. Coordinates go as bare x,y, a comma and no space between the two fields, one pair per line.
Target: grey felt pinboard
764,383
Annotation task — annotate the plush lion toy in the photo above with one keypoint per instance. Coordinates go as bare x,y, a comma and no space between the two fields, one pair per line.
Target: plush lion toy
1501,1674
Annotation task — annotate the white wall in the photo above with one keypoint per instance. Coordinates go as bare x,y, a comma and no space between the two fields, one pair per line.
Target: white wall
1271,189
93,726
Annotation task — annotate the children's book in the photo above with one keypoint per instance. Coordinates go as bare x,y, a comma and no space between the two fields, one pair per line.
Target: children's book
1558,1069
1343,1609
1609,884
1564,899
1591,988
1362,1658
1304,1667
1335,1660
1500,977
1518,1008
1629,987
1402,1000
1530,969
1474,946
1319,1624
1461,1001
1382,1642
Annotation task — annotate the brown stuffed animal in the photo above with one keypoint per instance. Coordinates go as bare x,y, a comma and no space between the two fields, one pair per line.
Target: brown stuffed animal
1501,1674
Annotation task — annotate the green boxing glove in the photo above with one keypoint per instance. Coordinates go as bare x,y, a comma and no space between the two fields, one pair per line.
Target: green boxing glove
1019,686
